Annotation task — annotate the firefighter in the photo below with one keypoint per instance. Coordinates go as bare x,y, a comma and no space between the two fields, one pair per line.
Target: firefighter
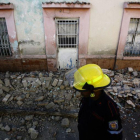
99,117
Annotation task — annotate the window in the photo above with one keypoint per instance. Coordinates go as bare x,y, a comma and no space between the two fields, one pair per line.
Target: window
129,40
67,33
5,49
132,46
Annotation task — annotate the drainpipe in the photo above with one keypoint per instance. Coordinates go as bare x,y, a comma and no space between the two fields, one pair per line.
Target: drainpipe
117,45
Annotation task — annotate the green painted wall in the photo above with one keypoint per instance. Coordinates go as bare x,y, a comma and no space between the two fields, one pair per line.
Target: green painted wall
29,25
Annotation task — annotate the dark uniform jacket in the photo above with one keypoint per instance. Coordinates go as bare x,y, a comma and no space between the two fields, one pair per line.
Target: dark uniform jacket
99,120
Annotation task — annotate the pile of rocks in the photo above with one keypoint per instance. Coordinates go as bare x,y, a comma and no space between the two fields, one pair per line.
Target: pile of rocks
51,91
40,90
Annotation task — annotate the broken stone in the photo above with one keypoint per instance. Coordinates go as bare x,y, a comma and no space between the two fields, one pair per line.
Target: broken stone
119,95
130,69
50,105
7,82
130,103
27,95
48,81
138,94
19,103
43,104
5,99
66,83
68,130
6,89
6,139
7,128
20,98
35,123
68,96
30,79
137,90
115,89
60,82
33,133
28,118
24,82
129,94
65,122
55,82
38,81
60,100
78,94
121,92
62,87
19,137
39,98
57,118
50,74
111,74
1,91
40,75
1,82
135,73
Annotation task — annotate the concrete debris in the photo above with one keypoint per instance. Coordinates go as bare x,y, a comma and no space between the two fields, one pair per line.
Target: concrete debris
33,133
60,82
5,99
28,118
130,103
55,82
7,82
130,69
39,98
7,128
50,105
68,130
1,91
1,82
65,122
52,92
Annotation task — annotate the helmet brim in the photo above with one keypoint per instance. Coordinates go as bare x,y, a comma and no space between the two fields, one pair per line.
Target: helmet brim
103,83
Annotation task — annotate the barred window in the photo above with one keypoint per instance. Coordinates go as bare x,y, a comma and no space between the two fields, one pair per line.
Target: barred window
67,33
5,49
132,46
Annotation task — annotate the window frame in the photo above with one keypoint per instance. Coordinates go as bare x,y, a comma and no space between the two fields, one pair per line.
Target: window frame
65,10
7,12
76,33
131,10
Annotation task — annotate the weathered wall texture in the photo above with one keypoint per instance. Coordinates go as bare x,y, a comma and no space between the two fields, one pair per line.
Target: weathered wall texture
28,16
105,23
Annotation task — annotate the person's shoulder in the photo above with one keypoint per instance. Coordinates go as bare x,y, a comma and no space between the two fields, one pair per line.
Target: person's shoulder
111,106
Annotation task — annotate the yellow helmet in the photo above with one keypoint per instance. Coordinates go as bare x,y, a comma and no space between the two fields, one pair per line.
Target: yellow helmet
90,75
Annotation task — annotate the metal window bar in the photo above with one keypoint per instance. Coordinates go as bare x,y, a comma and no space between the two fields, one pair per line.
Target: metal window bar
67,33
5,49
132,47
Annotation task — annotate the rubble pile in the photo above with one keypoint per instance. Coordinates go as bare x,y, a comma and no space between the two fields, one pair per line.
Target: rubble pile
51,91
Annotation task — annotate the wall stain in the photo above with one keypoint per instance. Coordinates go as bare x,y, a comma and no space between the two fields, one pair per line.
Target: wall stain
25,42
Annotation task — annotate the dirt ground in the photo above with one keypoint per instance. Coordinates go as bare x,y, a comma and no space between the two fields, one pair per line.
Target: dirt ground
54,131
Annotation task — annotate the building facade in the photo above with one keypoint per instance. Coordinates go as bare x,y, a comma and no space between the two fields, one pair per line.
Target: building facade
44,35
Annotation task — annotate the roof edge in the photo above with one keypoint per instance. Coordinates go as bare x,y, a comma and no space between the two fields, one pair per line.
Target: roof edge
66,5
131,5
6,6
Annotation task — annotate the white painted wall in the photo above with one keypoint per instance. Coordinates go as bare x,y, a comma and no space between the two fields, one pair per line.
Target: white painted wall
105,23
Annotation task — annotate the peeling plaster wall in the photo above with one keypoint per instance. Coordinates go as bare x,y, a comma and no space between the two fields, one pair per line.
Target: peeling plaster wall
28,17
105,23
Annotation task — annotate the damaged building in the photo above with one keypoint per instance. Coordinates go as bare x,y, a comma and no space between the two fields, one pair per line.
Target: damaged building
51,35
